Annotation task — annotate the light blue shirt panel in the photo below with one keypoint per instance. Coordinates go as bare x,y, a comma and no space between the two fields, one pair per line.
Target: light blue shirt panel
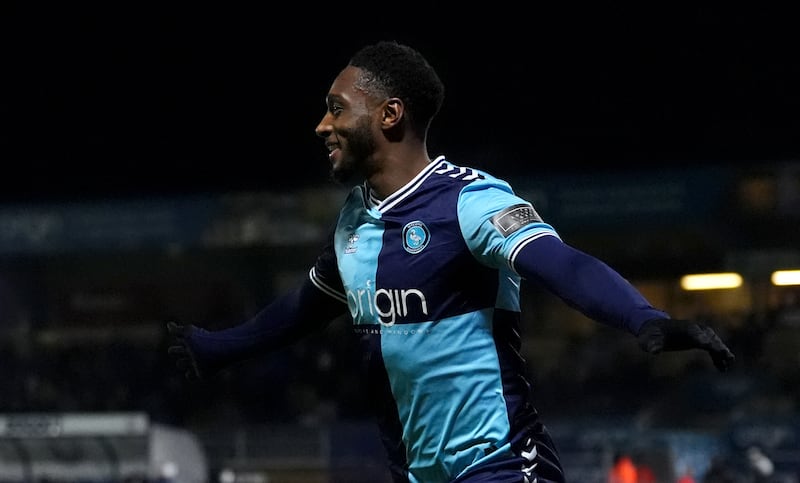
358,240
478,203
454,357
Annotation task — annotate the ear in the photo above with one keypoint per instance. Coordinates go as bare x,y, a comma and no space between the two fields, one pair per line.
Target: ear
393,111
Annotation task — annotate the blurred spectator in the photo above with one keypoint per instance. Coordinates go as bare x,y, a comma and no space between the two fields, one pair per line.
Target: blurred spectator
623,470
760,465
687,477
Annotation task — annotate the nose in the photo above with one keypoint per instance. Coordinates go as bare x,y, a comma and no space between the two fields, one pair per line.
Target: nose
324,127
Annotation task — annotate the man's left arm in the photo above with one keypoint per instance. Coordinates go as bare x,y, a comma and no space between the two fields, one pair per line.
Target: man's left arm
590,286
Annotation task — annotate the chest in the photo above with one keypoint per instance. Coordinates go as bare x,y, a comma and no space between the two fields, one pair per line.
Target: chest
397,251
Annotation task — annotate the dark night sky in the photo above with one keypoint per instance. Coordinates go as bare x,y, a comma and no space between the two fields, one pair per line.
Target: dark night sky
111,100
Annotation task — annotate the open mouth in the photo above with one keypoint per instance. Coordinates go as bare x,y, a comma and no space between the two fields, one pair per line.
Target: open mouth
333,150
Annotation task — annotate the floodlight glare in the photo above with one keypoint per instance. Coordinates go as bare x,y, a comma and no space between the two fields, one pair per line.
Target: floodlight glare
785,277
711,281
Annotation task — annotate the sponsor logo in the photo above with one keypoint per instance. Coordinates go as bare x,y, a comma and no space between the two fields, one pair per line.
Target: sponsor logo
386,304
351,243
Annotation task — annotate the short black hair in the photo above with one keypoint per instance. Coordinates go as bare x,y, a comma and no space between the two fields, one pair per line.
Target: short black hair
396,70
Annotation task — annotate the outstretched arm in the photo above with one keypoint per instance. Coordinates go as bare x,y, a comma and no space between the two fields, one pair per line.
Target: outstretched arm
200,352
599,292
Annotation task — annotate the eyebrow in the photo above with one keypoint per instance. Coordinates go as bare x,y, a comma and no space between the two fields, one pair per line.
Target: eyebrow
333,98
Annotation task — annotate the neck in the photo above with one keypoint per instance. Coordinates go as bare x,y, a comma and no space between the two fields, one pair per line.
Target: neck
396,172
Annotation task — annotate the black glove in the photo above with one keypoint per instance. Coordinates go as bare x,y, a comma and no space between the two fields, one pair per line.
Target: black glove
180,350
659,335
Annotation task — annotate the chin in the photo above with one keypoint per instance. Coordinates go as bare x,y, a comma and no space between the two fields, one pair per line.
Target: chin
341,175
346,176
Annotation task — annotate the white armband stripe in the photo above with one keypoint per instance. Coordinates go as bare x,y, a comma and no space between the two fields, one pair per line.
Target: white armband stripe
312,275
513,256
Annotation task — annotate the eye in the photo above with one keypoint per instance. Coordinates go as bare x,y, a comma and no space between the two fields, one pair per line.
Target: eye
335,109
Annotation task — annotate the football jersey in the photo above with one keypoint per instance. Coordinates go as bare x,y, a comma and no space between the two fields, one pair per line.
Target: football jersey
427,275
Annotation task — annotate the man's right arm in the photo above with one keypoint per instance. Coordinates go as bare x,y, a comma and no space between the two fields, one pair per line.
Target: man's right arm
305,309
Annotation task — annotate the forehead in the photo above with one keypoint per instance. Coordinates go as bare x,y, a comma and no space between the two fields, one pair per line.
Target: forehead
346,83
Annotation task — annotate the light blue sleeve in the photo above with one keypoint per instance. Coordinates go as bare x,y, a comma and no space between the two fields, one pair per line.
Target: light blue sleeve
496,223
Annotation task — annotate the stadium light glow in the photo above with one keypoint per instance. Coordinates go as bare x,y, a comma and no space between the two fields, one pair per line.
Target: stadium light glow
711,281
785,277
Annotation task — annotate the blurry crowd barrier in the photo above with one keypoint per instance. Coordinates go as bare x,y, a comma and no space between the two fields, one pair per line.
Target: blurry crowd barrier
97,447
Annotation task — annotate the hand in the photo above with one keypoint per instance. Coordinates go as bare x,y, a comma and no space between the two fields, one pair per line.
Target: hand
676,335
180,350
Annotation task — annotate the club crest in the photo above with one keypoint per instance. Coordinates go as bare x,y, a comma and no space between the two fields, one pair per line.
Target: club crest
415,237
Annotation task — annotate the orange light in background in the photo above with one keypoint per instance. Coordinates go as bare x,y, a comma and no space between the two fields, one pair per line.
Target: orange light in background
785,277
711,281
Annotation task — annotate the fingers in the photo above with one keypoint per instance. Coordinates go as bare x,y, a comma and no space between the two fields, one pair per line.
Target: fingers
677,335
175,330
654,344
184,359
722,357
177,350
705,338
186,365
723,361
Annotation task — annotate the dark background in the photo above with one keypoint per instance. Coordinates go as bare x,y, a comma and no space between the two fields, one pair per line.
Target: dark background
111,100
136,99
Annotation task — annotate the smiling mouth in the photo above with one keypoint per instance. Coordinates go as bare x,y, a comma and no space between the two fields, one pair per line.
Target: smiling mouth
332,150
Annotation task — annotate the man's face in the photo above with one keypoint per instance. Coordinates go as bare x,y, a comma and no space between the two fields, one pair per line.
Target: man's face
348,127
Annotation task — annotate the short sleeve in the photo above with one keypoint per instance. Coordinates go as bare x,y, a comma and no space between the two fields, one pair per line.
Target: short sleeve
496,223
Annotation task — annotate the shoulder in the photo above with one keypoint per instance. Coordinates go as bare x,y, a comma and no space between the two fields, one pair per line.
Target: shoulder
472,179
478,192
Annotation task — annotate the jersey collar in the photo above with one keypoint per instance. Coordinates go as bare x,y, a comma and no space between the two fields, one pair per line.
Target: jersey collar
399,195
